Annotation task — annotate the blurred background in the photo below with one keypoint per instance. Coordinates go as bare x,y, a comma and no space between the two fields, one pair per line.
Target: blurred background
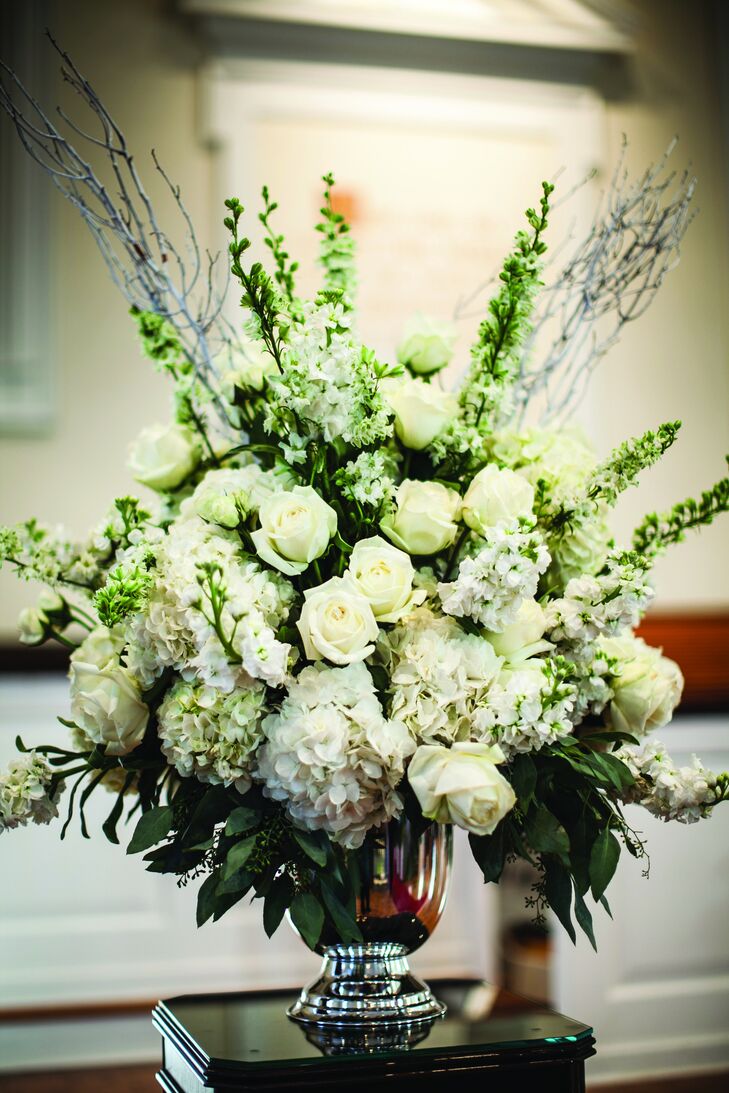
439,119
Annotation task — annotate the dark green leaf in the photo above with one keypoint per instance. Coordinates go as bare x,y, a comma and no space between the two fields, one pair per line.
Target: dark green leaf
109,825
152,827
212,809
240,820
276,903
239,882
603,861
490,853
207,897
606,905
558,890
345,925
523,776
546,834
311,844
307,915
584,918
238,855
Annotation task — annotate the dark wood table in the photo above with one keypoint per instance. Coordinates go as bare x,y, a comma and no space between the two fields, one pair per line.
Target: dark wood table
488,1040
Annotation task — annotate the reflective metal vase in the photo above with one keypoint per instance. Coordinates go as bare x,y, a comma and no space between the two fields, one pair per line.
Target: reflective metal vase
403,886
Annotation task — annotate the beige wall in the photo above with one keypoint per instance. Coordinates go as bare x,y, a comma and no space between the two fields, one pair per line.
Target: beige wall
674,363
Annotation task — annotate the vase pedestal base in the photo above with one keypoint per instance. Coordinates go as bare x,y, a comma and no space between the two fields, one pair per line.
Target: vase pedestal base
366,985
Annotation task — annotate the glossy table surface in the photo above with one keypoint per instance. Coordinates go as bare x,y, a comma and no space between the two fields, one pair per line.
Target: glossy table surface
242,1041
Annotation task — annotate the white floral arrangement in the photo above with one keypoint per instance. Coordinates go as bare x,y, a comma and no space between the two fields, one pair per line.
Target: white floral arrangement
353,594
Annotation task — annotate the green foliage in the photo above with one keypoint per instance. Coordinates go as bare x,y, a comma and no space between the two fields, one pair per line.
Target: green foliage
568,822
124,593
259,293
160,342
337,249
660,530
285,269
486,393
615,474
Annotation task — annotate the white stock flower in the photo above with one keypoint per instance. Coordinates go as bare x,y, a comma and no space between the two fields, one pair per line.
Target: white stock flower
424,519
421,410
163,456
646,687
384,576
296,526
332,757
491,585
211,735
495,495
24,792
337,622
522,638
461,785
427,344
439,675
669,792
600,605
527,707
106,704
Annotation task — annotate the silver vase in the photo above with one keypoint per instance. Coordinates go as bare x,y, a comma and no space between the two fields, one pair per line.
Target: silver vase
402,890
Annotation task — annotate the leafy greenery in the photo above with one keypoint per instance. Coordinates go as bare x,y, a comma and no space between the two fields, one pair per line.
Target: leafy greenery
259,293
660,530
285,268
337,249
503,331
124,593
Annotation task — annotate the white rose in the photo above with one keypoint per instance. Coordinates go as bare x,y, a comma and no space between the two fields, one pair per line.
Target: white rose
427,345
421,409
32,626
648,688
337,622
296,526
248,366
495,495
163,456
107,706
424,520
33,622
101,648
461,785
522,638
384,576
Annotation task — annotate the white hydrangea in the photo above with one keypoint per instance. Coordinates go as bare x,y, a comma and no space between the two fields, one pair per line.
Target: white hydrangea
492,584
328,384
527,707
685,793
600,605
211,735
24,792
332,757
561,456
438,675
175,629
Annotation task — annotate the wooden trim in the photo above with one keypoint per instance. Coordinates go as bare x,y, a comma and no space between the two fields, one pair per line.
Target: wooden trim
699,643
76,1011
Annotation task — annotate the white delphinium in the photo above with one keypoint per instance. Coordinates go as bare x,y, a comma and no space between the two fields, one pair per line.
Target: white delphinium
438,674
211,735
181,627
491,585
605,604
24,792
685,793
527,707
367,479
328,384
332,757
